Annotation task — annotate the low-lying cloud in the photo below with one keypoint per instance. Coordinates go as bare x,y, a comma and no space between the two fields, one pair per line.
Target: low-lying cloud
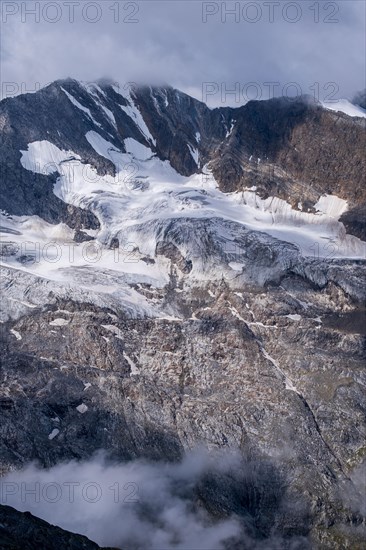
156,506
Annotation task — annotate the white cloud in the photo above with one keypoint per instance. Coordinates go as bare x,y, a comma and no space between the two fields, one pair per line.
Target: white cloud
134,505
144,505
170,43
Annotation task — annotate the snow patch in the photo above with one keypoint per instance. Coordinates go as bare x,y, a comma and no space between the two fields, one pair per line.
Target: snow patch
81,107
53,434
288,384
109,114
42,157
116,331
194,153
331,205
137,150
345,106
228,133
100,145
59,322
133,112
294,317
134,369
236,266
235,313
16,334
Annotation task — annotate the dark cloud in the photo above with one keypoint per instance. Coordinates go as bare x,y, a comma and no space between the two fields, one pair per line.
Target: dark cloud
170,42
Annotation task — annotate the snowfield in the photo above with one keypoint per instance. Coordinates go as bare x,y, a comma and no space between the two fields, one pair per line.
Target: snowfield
146,189
345,106
238,236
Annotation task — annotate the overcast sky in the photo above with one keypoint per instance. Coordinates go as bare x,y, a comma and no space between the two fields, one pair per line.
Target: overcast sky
189,44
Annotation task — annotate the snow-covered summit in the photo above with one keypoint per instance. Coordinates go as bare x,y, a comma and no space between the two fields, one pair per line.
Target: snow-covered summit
154,181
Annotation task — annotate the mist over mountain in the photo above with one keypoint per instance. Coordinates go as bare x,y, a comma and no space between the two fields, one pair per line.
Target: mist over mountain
360,99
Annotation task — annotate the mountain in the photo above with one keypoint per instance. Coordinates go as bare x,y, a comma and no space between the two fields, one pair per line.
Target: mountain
174,276
22,530
304,149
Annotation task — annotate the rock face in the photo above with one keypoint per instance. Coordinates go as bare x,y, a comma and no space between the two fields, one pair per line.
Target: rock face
212,330
271,369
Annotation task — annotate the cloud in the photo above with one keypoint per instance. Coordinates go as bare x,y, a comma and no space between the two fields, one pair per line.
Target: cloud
354,494
146,506
170,42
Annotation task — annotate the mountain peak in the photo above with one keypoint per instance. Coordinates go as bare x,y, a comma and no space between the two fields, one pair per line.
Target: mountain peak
291,138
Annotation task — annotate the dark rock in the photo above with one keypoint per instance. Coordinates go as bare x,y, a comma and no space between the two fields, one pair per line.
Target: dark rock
169,250
147,260
22,530
81,236
114,243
